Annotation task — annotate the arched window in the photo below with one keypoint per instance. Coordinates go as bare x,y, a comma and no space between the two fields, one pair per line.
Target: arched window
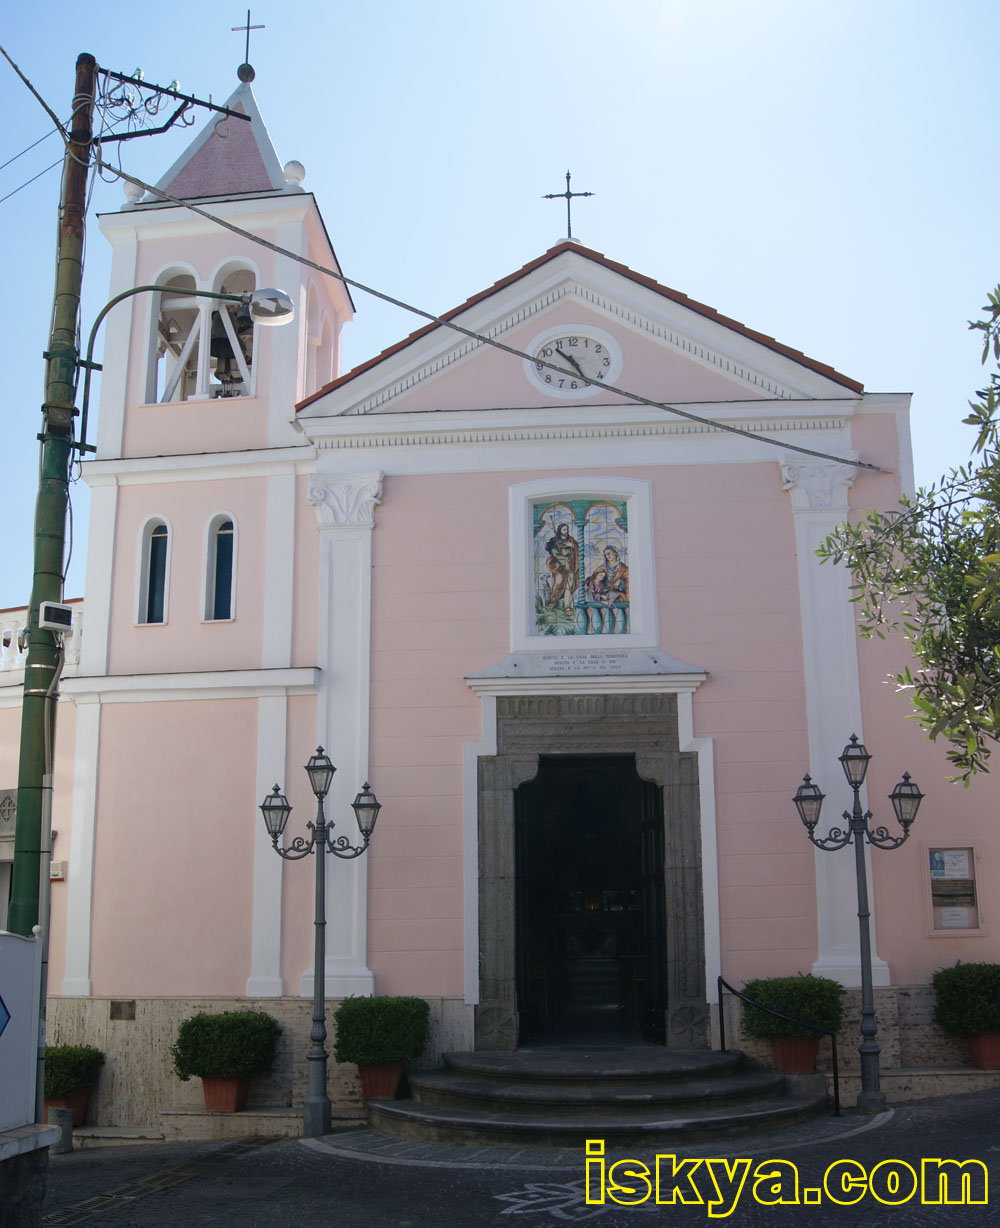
220,571
202,347
231,343
154,572
173,373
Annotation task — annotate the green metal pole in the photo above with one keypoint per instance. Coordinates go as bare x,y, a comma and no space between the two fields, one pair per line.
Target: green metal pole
38,708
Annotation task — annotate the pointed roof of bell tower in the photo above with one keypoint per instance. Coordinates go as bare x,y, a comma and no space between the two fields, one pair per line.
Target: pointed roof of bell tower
229,157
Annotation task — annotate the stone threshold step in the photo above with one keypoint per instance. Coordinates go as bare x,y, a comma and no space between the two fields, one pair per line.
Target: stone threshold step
572,1065
458,1088
430,1122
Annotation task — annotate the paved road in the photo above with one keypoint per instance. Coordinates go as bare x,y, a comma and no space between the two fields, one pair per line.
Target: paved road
358,1179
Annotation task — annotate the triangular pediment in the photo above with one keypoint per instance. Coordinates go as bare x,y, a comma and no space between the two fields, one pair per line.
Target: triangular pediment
229,157
667,347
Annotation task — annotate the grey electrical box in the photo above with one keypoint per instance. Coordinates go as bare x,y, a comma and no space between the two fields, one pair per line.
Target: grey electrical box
55,617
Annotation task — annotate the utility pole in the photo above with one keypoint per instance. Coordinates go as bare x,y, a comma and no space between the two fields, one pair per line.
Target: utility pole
43,659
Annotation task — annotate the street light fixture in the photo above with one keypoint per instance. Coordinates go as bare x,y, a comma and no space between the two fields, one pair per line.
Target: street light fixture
905,798
275,809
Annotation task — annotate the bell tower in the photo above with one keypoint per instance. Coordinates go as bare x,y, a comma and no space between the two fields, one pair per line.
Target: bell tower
194,374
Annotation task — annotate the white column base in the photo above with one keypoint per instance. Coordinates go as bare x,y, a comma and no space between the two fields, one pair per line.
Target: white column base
342,981
264,987
75,987
846,968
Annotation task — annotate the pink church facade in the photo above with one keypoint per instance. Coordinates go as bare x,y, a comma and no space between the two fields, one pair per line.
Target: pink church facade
581,646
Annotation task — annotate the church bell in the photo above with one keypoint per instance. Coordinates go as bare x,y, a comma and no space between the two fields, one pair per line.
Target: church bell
227,369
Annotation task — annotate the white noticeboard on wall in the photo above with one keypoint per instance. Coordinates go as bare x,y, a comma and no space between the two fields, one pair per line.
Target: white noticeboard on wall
20,972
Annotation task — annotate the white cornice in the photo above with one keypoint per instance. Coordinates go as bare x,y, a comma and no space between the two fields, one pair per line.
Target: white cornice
591,422
199,467
170,221
592,684
212,684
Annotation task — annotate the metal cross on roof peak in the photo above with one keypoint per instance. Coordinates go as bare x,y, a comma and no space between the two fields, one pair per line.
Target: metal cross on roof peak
568,195
245,71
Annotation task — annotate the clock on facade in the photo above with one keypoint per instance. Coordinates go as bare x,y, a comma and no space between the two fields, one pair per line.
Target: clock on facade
573,362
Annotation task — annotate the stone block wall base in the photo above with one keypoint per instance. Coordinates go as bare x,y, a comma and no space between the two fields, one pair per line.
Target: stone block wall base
918,1084
24,1158
115,1136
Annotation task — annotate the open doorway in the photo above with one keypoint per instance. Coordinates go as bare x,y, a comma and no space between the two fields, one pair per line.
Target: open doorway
590,903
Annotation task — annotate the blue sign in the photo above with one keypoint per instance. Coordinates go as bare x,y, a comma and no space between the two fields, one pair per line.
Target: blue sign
4,1016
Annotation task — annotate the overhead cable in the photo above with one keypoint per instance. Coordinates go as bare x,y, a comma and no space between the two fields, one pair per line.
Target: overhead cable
634,397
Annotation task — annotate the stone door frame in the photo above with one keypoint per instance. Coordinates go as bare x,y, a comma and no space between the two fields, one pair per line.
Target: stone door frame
646,725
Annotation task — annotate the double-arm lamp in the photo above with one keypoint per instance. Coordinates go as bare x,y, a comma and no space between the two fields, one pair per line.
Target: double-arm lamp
275,809
905,798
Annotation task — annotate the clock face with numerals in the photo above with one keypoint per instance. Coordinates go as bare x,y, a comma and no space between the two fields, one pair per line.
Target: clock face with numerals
573,362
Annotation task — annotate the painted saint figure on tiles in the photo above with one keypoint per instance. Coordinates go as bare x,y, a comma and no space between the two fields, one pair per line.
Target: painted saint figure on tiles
562,561
608,582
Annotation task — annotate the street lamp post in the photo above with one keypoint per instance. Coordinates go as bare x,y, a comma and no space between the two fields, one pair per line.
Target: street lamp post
275,809
905,798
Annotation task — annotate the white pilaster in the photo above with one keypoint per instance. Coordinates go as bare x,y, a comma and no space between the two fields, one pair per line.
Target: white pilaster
279,568
118,337
833,704
265,951
80,879
284,342
345,508
100,559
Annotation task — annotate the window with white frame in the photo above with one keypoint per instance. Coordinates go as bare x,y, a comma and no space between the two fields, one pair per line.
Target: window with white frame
220,568
202,348
582,564
154,565
953,889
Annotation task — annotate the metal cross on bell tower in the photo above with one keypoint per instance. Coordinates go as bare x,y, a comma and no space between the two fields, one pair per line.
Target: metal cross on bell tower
567,195
245,71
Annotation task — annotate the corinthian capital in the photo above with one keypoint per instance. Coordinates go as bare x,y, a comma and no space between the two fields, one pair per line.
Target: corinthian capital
346,501
818,484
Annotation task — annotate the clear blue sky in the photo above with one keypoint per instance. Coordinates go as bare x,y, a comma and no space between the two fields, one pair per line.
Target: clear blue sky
824,172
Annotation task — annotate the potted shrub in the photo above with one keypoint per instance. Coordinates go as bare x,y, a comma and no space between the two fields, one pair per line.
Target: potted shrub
70,1077
380,1035
812,999
225,1051
968,1004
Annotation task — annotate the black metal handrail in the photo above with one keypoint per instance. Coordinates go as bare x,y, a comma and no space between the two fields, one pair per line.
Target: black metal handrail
788,1019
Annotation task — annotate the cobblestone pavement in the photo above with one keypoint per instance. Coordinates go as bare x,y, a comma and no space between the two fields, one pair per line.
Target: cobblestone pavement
360,1179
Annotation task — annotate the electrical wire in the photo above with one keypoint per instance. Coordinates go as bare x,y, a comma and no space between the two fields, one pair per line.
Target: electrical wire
27,149
31,180
45,106
633,397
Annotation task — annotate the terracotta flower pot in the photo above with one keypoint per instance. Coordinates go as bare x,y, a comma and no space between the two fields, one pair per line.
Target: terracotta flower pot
380,1080
223,1094
795,1054
77,1101
984,1049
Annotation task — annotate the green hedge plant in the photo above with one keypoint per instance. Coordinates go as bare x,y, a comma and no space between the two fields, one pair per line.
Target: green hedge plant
71,1068
234,1044
372,1030
813,999
968,998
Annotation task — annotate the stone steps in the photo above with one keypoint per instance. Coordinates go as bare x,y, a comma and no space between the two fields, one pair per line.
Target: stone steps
561,1097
